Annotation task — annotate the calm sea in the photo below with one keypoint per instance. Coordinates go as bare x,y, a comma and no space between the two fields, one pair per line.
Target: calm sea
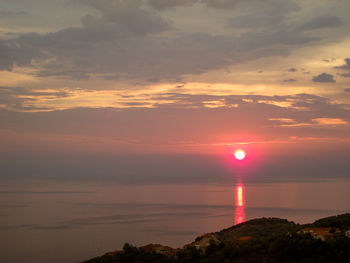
50,221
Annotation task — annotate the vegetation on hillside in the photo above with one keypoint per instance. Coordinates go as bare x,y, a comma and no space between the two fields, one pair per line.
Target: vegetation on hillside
265,240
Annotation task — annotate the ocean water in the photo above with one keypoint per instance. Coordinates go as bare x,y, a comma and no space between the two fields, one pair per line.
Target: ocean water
55,221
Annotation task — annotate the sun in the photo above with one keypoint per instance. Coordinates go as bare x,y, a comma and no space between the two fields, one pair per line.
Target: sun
239,154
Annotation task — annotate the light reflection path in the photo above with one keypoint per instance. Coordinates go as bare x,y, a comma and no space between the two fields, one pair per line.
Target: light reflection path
240,204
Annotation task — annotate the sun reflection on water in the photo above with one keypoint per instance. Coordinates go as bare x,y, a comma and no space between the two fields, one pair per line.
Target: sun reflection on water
240,204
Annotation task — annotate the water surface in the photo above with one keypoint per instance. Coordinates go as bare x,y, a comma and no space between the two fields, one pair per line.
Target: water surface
50,221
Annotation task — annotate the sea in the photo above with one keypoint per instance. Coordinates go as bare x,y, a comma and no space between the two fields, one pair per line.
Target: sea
55,221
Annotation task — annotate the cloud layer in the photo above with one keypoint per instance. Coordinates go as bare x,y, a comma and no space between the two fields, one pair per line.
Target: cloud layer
133,39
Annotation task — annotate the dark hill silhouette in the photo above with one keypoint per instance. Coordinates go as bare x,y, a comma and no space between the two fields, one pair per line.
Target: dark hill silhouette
259,240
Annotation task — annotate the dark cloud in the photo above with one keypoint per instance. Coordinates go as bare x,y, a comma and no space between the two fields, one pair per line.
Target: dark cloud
324,78
222,3
345,75
289,80
85,50
22,99
346,66
292,70
161,4
20,51
80,52
130,15
322,22
180,86
328,60
263,14
130,41
347,90
12,13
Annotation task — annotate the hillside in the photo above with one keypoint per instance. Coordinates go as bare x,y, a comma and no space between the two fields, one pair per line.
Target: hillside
257,240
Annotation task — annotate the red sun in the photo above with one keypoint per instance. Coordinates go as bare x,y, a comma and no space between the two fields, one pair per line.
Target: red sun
239,155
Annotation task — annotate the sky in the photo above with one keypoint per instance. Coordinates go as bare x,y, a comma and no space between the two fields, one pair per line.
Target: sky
125,87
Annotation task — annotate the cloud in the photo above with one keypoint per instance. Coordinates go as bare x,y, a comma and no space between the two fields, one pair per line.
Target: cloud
20,51
161,4
328,60
322,22
289,80
24,99
180,86
347,90
345,75
292,70
99,49
261,14
346,66
84,144
11,13
129,15
324,78
222,3
129,40
330,121
186,114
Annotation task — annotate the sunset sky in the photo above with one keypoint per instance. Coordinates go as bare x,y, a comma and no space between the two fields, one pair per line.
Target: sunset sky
84,81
